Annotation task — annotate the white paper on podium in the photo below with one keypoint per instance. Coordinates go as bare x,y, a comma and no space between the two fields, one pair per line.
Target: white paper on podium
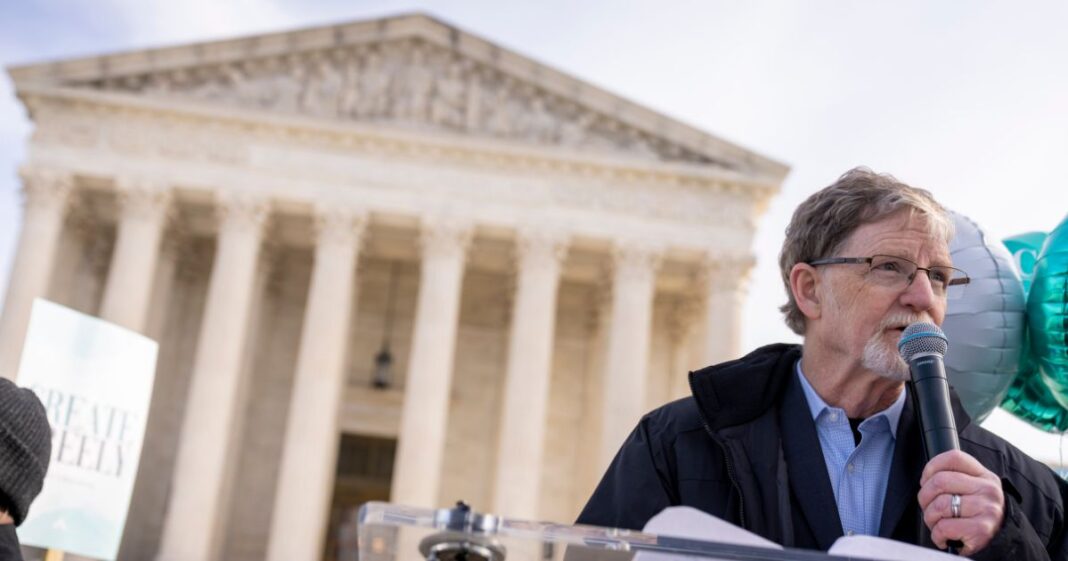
692,524
872,547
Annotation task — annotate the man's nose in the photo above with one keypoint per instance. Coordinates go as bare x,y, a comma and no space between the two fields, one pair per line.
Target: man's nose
920,294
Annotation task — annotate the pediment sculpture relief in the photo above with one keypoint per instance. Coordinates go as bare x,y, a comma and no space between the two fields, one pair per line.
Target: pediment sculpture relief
408,83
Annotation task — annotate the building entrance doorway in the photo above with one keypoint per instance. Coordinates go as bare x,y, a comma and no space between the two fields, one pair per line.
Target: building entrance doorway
364,473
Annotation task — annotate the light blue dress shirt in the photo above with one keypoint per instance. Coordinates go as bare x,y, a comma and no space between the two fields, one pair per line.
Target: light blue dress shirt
858,473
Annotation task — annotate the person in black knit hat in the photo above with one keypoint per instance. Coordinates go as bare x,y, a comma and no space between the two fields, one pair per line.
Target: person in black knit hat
25,448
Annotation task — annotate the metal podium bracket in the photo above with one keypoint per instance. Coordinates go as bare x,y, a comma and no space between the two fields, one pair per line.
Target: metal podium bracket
466,536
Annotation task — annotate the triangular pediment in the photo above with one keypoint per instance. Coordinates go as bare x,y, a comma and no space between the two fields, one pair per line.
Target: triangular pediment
413,72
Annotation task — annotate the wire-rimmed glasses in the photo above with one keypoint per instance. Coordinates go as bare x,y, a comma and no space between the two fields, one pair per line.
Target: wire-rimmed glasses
898,273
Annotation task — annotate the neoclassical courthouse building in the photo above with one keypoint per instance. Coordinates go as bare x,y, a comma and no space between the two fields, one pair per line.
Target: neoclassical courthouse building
385,260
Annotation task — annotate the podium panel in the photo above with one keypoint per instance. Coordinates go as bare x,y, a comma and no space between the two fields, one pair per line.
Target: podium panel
398,533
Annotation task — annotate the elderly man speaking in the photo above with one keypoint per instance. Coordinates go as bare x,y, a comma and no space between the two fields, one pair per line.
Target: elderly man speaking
804,444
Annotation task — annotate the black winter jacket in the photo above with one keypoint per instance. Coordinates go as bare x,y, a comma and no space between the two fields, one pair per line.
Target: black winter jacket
744,448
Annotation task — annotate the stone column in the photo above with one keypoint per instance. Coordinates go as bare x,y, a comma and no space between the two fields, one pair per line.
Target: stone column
309,456
143,209
196,514
681,328
725,280
526,393
45,194
627,362
163,283
420,449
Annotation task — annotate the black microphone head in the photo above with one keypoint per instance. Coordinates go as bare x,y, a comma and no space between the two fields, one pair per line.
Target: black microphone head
922,338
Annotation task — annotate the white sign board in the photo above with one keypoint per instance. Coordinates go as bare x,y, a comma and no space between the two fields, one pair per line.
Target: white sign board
95,380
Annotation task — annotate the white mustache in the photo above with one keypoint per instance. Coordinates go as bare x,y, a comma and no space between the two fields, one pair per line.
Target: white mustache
900,319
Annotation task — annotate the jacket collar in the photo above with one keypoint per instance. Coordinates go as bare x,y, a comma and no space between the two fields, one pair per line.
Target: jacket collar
739,391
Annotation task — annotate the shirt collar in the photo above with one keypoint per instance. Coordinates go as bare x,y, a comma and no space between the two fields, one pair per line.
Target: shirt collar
816,405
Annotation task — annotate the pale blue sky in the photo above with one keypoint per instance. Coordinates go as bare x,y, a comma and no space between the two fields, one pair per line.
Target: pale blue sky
965,99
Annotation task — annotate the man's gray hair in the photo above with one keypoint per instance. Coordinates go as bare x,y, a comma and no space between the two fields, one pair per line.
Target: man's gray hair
822,224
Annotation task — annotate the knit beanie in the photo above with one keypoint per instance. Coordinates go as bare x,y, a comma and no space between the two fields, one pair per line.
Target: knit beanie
25,448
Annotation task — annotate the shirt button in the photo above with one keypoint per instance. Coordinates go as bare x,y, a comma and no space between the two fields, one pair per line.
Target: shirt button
851,533
850,467
832,417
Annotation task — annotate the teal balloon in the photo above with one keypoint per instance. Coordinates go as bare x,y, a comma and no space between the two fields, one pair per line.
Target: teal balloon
1029,398
1024,249
1047,312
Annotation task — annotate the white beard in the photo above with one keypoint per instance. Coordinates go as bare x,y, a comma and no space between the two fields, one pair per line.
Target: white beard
884,359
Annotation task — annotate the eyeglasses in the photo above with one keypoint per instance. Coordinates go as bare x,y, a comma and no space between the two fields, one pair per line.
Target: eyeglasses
898,273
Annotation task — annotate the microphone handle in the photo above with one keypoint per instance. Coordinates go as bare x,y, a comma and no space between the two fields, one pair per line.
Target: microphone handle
931,395
938,428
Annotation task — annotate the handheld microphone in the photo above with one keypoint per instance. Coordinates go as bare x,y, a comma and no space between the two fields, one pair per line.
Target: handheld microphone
923,346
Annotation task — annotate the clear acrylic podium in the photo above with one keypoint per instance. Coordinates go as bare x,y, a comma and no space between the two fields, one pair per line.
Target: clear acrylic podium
397,533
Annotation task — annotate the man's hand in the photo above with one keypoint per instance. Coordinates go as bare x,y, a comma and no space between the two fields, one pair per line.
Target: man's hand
982,503
5,518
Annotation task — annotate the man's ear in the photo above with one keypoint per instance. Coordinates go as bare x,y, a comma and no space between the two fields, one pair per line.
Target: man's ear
804,282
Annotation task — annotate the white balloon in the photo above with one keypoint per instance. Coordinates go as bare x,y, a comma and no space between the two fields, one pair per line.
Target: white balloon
985,325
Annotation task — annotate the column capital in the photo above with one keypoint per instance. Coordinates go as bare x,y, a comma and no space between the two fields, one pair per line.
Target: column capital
339,225
143,198
442,235
45,188
241,212
636,259
539,247
725,273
